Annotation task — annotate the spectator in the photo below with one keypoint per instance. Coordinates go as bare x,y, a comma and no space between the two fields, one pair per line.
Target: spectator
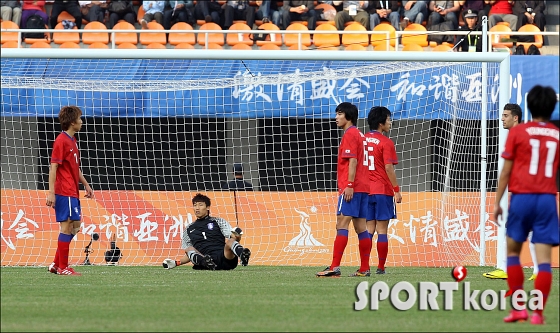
30,8
475,5
93,11
71,7
351,11
209,11
178,11
529,12
268,9
501,11
154,11
470,42
238,183
414,11
121,10
443,11
385,11
299,11
238,10
326,15
11,11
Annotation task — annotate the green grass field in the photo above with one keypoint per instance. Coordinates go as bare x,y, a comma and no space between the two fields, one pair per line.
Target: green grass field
253,298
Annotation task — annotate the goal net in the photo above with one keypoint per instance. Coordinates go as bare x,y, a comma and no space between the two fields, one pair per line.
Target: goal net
157,131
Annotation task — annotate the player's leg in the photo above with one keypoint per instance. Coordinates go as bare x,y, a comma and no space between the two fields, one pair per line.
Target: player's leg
233,249
68,212
545,236
382,245
515,277
171,263
364,246
194,256
533,257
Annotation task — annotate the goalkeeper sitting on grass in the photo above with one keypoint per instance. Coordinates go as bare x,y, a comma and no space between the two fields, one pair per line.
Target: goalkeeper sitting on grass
209,242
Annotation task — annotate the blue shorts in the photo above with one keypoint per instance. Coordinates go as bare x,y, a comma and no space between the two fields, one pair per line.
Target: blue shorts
67,208
381,207
357,207
536,212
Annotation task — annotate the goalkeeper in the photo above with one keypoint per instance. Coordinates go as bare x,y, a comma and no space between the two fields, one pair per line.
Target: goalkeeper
209,242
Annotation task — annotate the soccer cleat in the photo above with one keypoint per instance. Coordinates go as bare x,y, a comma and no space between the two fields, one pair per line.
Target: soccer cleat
360,274
537,319
516,315
209,263
245,255
533,277
67,271
380,271
496,274
53,268
169,264
328,272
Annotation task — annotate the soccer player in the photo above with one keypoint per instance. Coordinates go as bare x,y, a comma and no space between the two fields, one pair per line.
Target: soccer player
511,117
353,188
530,168
383,185
63,195
209,242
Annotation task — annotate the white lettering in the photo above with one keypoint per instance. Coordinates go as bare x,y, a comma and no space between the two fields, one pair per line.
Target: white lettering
518,299
448,288
411,295
428,292
379,292
361,290
484,298
468,298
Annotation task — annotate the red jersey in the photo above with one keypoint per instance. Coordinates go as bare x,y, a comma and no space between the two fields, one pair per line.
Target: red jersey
352,145
380,151
66,155
501,7
533,148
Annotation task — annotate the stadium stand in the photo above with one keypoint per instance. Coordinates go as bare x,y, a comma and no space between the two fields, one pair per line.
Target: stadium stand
216,38
538,37
292,39
95,37
147,38
62,36
176,38
320,40
239,38
8,36
381,38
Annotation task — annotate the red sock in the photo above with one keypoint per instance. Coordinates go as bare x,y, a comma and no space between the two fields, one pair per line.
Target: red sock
543,282
515,274
365,250
340,243
63,249
56,257
382,250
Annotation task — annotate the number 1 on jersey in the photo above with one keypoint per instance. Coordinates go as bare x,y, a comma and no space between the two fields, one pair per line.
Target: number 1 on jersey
204,234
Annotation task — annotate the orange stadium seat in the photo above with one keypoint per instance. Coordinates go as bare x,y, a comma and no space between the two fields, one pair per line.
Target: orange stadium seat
184,46
413,47
214,46
348,39
297,47
95,37
216,38
155,46
63,37
176,38
69,45
271,38
421,38
269,46
320,40
98,45
329,48
497,38
125,37
126,46
41,45
292,39
147,38
538,37
241,47
355,47
8,36
330,10
442,48
239,38
381,38
383,47
10,45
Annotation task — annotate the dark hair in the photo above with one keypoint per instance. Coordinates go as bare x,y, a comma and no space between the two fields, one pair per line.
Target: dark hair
68,115
350,111
201,198
515,110
377,116
541,101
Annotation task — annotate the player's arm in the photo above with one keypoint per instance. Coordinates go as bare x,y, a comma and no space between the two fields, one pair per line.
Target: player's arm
349,190
52,181
502,185
390,170
89,190
186,241
225,227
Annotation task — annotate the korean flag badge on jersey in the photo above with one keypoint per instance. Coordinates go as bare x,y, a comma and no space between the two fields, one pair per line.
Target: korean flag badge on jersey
210,226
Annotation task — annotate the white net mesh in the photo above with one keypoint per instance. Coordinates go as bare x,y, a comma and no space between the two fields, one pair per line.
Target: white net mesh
158,131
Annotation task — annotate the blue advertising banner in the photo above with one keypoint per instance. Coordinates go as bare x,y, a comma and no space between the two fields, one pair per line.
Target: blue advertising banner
248,89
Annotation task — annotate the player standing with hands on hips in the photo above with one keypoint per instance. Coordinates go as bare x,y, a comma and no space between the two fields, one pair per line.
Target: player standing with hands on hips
353,187
383,185
530,168
64,194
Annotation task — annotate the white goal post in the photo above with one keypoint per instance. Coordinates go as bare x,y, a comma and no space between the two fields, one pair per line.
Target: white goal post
287,224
